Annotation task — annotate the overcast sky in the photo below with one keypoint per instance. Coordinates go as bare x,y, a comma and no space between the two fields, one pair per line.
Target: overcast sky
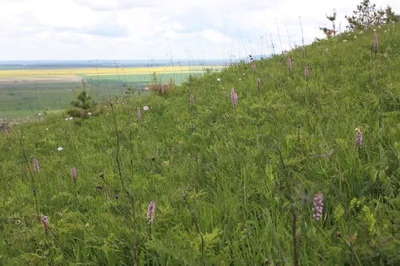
160,29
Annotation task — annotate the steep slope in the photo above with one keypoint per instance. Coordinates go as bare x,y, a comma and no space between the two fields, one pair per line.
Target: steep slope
227,182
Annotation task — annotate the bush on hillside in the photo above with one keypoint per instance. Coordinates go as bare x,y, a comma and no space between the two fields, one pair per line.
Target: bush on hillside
159,87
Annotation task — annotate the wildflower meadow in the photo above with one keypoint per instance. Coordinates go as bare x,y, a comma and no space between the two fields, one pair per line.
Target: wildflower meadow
290,160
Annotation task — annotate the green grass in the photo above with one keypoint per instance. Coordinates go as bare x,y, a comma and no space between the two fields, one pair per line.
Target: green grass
141,78
237,173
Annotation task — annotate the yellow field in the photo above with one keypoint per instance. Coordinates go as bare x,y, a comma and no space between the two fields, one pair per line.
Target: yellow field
102,71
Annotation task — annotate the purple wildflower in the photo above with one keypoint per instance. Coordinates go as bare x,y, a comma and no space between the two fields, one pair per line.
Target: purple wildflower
233,97
234,100
35,164
5,129
375,43
318,205
253,65
307,72
162,88
73,173
139,115
259,84
289,62
191,99
45,223
358,137
150,211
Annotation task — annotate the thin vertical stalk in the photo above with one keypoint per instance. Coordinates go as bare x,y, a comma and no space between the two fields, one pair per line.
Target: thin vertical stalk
132,200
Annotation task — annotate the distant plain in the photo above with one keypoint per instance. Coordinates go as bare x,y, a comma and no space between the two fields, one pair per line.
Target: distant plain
26,92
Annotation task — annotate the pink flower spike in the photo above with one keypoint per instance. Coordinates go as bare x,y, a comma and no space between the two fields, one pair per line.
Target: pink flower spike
73,173
375,43
45,223
5,129
253,65
259,84
307,72
234,100
289,61
150,211
35,164
191,99
359,137
139,115
233,97
318,205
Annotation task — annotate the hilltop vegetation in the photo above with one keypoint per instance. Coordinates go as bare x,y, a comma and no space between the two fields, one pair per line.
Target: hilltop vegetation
233,182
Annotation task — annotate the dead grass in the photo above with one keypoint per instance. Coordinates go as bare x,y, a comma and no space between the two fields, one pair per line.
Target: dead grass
158,88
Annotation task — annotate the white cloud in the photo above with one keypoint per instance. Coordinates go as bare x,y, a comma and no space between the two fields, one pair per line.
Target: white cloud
107,5
215,37
137,29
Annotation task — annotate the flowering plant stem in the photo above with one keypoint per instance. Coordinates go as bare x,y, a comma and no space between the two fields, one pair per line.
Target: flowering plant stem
30,173
294,221
194,220
132,200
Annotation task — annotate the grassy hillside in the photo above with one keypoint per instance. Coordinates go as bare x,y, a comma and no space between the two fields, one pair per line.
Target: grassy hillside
232,186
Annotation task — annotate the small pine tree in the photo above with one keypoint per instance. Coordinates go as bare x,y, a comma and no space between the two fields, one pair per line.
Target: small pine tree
84,100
